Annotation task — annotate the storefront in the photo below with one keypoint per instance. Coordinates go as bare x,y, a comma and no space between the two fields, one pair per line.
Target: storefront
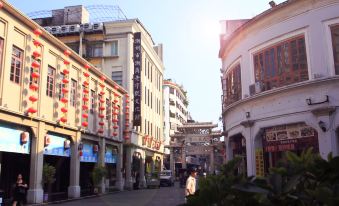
15,144
111,165
57,154
279,139
88,151
238,146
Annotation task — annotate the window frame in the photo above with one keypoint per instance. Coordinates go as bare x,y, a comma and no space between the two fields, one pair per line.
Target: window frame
335,57
16,72
50,89
73,92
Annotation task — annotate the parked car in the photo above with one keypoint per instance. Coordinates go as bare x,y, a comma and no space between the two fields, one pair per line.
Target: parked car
152,180
166,178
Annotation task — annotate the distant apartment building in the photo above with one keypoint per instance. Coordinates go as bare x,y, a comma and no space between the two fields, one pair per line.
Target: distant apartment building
175,109
124,51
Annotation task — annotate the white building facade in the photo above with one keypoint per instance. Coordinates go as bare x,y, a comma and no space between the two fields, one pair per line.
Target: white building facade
175,109
280,75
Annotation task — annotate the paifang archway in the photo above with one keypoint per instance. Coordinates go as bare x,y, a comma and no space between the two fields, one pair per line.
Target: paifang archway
196,142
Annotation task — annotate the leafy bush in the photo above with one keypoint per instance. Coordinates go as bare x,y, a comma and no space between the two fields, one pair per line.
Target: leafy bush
298,180
98,173
48,173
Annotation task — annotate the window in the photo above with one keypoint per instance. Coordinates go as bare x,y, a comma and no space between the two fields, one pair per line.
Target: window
117,77
171,90
233,85
145,126
282,64
73,92
50,82
1,52
114,48
151,100
148,96
74,47
92,101
61,86
16,65
335,43
94,50
145,95
107,109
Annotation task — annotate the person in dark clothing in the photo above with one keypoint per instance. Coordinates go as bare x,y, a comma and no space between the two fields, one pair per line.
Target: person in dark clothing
19,196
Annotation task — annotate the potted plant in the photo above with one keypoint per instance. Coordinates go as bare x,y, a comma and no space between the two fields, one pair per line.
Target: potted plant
48,174
98,173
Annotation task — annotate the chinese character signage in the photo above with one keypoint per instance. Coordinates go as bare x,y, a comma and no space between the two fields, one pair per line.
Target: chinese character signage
88,155
137,79
110,156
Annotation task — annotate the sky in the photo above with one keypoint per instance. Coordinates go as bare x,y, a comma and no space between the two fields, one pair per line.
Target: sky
189,31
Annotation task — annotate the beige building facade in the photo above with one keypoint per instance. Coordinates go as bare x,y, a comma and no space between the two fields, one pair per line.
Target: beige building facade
57,109
111,47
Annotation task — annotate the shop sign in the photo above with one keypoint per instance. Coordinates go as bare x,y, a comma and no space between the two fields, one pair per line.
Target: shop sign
109,156
137,79
88,155
56,146
259,163
198,150
289,137
10,141
198,139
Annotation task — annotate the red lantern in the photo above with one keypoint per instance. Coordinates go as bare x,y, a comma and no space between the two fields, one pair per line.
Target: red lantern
127,107
127,118
65,71
101,123
36,43
84,124
100,131
115,127
115,134
33,98
101,115
126,95
102,100
86,83
126,137
116,87
85,115
37,32
85,107
64,110
66,62
127,101
64,100
102,78
65,81
115,107
115,101
31,110
87,66
126,113
63,119
35,75
86,74
47,140
64,90
95,148
102,93
114,120
101,108
67,52
33,86
24,136
116,95
1,5
86,91
36,54
115,113
80,153
35,64
85,99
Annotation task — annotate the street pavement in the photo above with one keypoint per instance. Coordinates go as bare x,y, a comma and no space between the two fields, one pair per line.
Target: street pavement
165,196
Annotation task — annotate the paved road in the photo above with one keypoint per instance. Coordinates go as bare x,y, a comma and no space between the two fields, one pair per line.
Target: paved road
165,196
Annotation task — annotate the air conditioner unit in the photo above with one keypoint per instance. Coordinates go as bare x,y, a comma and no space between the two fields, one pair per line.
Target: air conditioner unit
47,28
98,26
86,27
74,28
55,29
64,29
255,88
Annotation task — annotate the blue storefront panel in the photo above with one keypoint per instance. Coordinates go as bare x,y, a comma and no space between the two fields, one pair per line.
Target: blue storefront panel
56,146
10,140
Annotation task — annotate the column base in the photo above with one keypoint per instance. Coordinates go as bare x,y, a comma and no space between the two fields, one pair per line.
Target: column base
73,191
120,185
142,183
128,184
35,196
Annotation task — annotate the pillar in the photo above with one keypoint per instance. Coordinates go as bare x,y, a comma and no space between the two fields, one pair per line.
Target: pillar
101,162
35,192
128,180
172,163
142,180
183,158
74,186
119,180
212,161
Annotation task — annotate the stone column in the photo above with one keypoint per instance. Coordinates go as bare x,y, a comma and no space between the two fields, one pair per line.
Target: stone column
128,180
183,158
172,163
74,187
250,147
35,192
119,180
212,161
101,161
142,183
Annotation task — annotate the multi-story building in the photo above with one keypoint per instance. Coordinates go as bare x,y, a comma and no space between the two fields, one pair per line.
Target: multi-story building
175,109
125,51
57,109
280,79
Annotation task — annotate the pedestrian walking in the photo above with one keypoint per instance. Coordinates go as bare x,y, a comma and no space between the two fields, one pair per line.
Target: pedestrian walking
191,183
19,197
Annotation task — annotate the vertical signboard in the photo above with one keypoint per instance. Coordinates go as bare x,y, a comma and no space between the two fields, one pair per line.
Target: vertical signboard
137,79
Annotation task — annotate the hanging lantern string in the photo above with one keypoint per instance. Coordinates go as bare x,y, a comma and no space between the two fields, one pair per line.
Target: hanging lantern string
85,99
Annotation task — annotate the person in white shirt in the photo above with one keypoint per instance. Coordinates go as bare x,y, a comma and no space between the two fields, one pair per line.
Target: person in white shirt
191,183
